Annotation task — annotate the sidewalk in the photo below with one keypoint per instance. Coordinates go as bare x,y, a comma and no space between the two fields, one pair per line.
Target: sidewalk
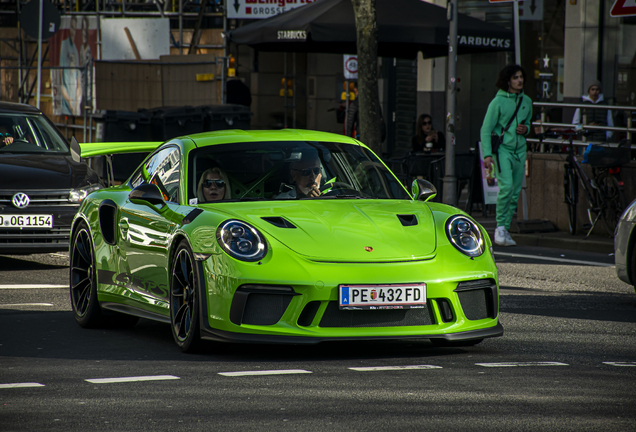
557,239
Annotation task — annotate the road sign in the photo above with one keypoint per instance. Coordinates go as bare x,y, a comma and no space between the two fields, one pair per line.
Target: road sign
531,10
623,8
260,9
30,19
350,66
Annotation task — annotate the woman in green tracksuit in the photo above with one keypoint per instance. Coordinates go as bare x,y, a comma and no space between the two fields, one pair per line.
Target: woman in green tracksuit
509,164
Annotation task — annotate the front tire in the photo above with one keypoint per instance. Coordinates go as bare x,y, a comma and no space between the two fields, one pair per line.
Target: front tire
184,300
83,279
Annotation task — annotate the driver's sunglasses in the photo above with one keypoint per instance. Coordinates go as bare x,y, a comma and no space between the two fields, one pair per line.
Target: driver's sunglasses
207,183
307,171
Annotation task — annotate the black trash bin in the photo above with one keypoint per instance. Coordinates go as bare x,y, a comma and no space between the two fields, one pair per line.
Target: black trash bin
126,126
228,116
171,122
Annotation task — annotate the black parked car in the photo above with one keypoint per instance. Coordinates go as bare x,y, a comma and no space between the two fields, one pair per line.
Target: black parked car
42,182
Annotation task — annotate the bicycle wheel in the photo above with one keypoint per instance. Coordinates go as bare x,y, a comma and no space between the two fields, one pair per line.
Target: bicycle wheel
612,201
571,188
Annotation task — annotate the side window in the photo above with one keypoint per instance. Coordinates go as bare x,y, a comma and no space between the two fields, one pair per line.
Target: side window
164,170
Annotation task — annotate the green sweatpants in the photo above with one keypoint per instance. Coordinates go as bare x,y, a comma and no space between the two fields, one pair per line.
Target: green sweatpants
509,180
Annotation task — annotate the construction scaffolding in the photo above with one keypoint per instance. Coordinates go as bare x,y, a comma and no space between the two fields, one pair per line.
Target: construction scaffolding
188,21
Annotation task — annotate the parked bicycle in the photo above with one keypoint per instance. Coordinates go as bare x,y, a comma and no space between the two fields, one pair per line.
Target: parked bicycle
604,191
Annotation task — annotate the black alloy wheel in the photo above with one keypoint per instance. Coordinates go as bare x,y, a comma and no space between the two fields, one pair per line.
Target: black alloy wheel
83,279
571,189
184,300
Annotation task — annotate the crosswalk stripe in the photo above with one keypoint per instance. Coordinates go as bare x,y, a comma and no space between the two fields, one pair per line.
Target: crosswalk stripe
517,364
18,385
266,372
132,379
391,368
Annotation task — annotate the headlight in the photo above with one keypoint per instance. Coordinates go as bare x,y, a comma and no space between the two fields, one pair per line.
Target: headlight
241,240
464,234
77,195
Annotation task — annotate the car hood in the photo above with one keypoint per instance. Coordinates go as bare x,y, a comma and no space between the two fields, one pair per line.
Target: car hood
28,172
350,230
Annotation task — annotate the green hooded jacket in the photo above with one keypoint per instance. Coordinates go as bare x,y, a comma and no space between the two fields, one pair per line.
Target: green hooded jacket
499,112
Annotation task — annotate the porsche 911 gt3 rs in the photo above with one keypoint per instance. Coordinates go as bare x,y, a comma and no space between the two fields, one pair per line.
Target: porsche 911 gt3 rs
274,257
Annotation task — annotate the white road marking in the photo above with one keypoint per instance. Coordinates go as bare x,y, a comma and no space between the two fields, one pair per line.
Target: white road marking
25,304
515,364
565,260
132,379
390,368
32,286
620,363
266,372
18,385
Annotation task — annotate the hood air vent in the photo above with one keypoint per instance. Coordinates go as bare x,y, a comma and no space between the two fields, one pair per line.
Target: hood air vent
407,220
279,222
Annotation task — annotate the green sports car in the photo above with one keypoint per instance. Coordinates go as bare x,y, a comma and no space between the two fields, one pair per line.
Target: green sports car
285,236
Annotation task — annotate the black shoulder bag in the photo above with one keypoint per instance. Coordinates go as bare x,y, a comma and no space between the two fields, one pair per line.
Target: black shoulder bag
497,140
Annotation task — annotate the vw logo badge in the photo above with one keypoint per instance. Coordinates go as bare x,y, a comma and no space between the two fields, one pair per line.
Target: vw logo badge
21,200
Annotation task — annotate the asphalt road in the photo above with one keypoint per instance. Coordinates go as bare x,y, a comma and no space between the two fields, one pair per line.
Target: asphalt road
567,361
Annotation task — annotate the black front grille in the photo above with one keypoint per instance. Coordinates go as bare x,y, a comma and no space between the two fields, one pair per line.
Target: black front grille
478,298
265,309
334,317
15,236
41,198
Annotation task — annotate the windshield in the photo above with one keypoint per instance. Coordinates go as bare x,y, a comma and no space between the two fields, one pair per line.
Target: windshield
29,133
289,170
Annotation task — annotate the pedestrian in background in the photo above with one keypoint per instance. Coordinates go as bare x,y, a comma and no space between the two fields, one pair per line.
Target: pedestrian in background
595,117
427,139
510,113
352,121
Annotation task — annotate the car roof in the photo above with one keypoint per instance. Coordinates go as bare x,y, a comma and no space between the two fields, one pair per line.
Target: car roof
18,107
237,135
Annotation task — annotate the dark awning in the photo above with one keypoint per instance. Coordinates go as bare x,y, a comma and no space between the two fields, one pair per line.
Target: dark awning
404,28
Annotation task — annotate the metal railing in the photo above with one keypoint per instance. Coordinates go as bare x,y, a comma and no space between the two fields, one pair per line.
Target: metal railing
630,111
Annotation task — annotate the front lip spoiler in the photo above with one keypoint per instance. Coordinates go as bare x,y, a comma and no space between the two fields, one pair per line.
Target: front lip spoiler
209,333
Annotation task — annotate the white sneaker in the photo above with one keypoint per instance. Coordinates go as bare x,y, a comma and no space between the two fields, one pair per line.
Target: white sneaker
502,237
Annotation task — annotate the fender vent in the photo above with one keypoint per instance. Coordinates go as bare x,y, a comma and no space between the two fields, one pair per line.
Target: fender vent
407,220
279,222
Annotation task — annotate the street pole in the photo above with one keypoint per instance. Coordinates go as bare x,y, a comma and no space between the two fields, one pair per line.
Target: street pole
40,19
515,16
450,180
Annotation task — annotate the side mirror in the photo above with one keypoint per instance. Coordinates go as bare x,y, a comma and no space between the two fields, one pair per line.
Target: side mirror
76,151
147,193
423,190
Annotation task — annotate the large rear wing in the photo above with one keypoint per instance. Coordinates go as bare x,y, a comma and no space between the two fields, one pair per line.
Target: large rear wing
108,149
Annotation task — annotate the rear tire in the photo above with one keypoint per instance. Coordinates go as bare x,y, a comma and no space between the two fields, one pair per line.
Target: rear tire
184,300
571,187
83,279
614,200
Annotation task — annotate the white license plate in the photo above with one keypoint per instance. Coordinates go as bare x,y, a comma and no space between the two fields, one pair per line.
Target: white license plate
26,221
394,296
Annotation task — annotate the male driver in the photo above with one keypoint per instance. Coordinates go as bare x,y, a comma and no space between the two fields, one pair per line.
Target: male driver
306,176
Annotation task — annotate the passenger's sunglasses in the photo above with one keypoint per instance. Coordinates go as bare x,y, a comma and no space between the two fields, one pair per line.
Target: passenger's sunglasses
307,171
207,183
427,123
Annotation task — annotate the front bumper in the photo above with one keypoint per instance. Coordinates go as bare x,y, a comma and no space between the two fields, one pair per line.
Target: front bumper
462,306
